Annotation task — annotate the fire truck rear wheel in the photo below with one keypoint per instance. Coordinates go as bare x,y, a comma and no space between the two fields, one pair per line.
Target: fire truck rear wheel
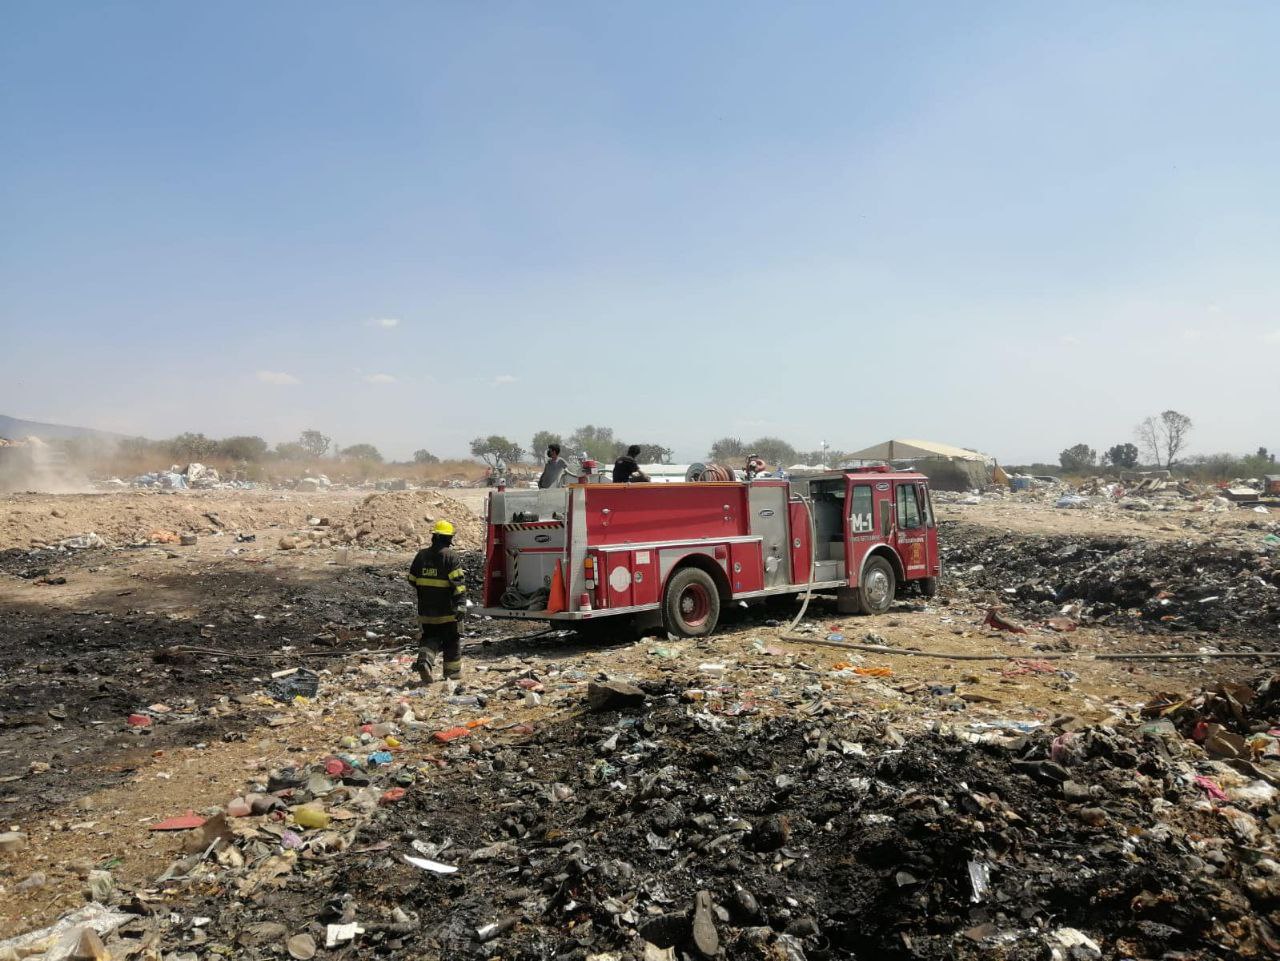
878,586
692,604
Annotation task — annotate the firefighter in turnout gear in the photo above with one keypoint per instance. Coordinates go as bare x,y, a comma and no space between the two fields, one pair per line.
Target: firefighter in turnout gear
437,574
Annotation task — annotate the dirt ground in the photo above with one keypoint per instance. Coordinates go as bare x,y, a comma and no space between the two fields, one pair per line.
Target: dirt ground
185,638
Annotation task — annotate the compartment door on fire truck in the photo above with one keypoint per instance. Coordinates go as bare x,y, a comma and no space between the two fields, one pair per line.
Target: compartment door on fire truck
862,534
912,510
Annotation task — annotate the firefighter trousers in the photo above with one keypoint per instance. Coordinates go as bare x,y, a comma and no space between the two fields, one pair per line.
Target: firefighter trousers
443,639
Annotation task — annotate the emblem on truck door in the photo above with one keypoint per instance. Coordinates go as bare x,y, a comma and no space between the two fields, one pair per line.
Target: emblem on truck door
542,538
767,512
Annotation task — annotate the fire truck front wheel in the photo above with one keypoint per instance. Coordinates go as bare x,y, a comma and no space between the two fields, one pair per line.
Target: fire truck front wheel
878,586
692,604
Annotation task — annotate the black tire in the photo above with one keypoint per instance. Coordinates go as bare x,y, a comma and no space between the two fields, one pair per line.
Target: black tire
928,587
691,605
877,587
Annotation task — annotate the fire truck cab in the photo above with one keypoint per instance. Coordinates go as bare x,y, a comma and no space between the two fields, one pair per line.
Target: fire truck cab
678,552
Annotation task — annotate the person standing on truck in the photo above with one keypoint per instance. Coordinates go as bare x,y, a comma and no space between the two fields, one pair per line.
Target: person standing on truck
556,470
437,574
626,470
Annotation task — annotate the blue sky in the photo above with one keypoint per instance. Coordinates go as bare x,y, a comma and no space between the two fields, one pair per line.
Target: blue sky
1009,226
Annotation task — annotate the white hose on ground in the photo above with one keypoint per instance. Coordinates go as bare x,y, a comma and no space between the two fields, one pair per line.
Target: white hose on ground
813,561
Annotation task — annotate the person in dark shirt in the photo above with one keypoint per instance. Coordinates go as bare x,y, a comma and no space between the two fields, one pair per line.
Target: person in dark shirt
626,470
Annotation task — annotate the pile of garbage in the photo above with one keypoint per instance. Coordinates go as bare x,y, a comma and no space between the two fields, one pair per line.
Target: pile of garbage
194,476
1140,584
648,821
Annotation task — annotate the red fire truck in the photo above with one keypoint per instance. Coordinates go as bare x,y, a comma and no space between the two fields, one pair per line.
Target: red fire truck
678,552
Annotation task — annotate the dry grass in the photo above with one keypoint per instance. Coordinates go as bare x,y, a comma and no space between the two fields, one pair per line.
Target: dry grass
127,465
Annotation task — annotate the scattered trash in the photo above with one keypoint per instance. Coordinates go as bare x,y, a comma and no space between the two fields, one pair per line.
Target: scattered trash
181,822
297,683
428,865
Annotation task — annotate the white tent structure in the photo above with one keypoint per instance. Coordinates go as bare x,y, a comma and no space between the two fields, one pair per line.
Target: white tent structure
892,450
947,467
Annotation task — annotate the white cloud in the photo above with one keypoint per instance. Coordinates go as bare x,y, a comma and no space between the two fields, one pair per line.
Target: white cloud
384,322
1069,341
277,377
379,379
1272,338
1214,308
504,379
1192,336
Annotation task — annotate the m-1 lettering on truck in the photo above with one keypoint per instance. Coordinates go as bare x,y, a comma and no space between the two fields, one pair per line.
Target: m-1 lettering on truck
681,551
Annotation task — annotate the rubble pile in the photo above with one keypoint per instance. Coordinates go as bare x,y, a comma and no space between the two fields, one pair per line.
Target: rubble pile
1145,585
403,519
646,823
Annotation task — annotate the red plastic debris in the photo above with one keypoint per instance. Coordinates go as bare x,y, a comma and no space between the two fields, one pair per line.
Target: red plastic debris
366,728
335,767
444,737
183,822
392,795
529,684
1211,788
1001,623
139,720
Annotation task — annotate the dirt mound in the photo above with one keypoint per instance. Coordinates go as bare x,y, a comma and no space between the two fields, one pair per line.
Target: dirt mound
1150,586
34,520
403,519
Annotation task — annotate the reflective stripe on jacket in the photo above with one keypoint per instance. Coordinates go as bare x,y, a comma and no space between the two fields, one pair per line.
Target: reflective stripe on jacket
438,576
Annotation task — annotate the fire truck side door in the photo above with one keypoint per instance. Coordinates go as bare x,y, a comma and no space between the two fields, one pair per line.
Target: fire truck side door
860,527
931,531
912,531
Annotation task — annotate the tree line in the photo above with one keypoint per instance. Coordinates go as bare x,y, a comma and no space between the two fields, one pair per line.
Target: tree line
248,449
600,444
1162,440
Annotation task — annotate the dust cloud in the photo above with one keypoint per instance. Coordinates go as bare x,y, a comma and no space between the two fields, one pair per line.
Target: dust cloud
32,465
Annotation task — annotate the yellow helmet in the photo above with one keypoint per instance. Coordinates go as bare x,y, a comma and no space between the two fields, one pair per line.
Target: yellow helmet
443,527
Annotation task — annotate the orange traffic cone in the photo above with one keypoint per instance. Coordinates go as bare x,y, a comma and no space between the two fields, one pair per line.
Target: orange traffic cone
555,601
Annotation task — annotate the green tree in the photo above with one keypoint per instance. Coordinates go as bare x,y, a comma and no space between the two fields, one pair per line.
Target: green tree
365,452
727,451
192,446
425,457
291,450
598,442
314,442
1078,458
775,451
541,441
495,448
252,449
1121,455
1164,437
654,454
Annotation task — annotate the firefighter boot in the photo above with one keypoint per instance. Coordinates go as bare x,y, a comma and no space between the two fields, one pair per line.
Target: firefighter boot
452,670
425,666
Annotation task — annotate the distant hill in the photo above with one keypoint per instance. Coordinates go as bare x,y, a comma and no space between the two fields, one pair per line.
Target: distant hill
14,429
